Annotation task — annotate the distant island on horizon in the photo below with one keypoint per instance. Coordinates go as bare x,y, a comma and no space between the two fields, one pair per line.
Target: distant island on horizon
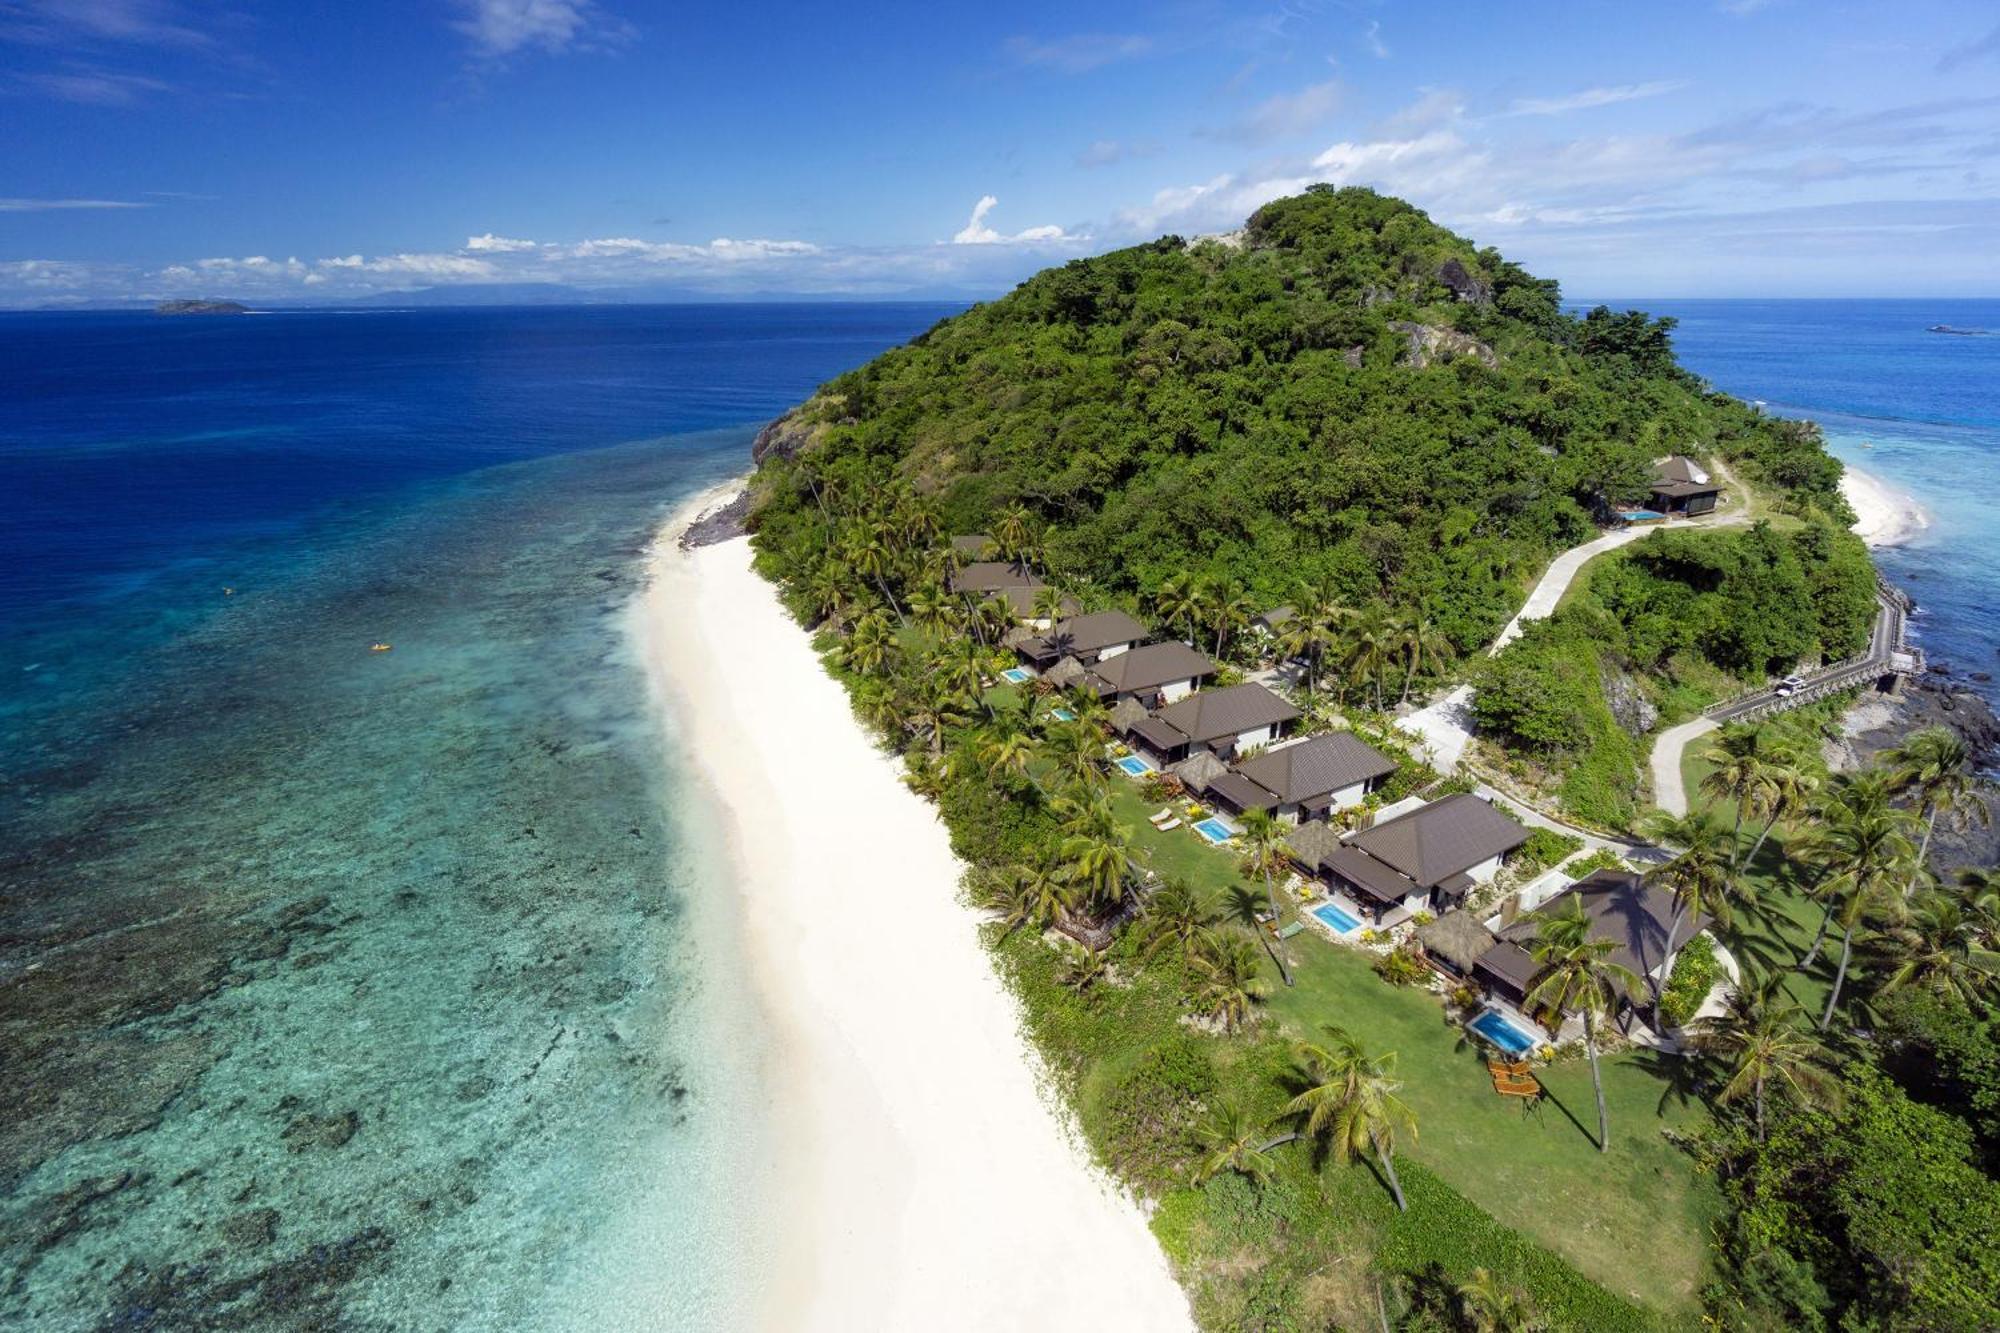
201,308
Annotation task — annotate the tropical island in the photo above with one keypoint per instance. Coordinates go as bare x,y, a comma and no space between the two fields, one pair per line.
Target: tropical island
1142,574
201,308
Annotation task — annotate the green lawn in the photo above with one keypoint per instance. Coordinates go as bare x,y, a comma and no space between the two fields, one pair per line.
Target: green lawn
1634,1219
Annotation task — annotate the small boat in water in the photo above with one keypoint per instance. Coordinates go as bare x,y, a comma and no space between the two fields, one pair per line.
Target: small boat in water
378,647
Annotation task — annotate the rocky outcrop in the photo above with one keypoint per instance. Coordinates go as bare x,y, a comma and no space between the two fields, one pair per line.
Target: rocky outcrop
719,525
784,437
1879,723
1432,344
1630,707
1466,285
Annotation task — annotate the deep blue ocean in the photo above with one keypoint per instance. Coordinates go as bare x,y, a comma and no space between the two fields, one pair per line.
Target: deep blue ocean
343,988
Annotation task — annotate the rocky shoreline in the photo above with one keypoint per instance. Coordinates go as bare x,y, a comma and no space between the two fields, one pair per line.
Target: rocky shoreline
1879,723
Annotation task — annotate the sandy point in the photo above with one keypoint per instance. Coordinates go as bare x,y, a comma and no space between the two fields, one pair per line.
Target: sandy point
922,1179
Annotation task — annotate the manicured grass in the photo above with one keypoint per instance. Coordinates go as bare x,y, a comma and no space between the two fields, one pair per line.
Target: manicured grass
1634,1219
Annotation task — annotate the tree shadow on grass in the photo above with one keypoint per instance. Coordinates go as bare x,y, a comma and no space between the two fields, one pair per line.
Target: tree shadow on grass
1549,1096
1686,1080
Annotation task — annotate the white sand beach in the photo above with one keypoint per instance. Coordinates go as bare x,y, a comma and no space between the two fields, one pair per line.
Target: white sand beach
925,1182
1885,514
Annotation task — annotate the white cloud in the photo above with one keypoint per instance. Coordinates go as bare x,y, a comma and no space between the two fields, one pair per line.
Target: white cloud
1376,46
63,205
1079,53
489,243
499,29
1592,97
1286,115
976,232
95,87
1106,152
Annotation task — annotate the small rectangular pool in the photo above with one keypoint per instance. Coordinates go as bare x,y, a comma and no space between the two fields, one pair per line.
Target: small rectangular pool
1019,675
1134,766
1062,715
1215,830
1508,1036
1641,516
1333,914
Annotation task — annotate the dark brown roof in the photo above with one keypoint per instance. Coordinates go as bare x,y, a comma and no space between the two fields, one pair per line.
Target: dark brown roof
1457,937
1150,666
1089,634
1274,619
1509,962
1622,907
1681,476
1316,766
1436,841
1241,792
1157,734
1212,715
1365,872
972,543
1681,489
992,576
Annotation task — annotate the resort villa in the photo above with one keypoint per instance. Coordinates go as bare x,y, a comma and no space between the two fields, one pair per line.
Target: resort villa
1307,779
1683,486
1425,860
975,546
1154,674
1008,580
1272,623
1089,639
1224,722
1623,908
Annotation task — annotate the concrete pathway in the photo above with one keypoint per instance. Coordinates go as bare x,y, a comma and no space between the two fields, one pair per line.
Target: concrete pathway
1555,580
1669,792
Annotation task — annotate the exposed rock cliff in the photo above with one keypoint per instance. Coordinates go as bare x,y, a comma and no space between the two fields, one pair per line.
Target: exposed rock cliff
784,437
1430,344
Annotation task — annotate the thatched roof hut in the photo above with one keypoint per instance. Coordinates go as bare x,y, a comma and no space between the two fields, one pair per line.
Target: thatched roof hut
1065,674
1017,636
1198,770
1456,939
1125,713
1311,842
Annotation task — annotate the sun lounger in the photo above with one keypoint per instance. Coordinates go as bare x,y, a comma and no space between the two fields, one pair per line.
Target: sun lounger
1291,930
1170,825
1166,813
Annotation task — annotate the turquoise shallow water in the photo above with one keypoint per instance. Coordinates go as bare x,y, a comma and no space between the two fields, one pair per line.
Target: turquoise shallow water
371,989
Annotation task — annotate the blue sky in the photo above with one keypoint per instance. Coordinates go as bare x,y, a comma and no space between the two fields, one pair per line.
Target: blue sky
319,152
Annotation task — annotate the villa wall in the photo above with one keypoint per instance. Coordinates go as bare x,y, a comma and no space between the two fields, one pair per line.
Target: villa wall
1259,736
1485,871
1177,690
1112,651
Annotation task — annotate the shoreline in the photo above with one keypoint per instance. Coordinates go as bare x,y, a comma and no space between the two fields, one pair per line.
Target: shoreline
1885,515
918,1170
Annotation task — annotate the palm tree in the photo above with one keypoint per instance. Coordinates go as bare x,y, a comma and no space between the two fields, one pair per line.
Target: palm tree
1698,877
1179,603
936,707
961,667
1863,842
990,619
877,705
1265,854
1979,888
1792,783
1424,647
1578,976
1491,1305
1226,605
1767,1042
1234,1138
1303,641
871,551
1048,603
1227,985
872,643
1934,764
916,521
826,595
1029,895
1083,967
1013,531
1075,750
934,611
1742,776
1371,648
1942,947
1009,752
1176,914
1351,1098
1095,850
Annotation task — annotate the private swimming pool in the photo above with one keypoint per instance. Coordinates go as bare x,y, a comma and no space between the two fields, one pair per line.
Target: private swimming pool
1215,830
1507,1035
1333,914
1134,766
1019,675
1641,516
1062,715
